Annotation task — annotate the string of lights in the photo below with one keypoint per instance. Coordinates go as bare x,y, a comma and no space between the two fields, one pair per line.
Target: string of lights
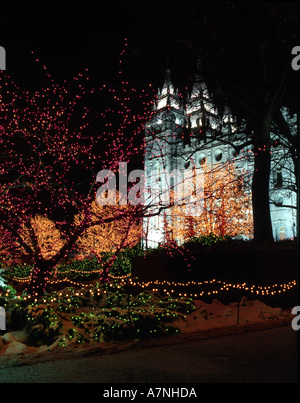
204,288
223,286
60,131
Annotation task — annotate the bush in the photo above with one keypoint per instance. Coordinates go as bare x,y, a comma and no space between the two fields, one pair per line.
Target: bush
90,267
207,240
122,264
7,292
43,325
21,270
100,313
86,269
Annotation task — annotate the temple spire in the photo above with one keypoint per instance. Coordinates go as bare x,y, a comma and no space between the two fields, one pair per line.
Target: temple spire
199,87
167,96
168,86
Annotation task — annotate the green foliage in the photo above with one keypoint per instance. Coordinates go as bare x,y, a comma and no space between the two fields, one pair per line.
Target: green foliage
86,269
43,324
101,313
122,263
158,250
180,305
20,270
201,241
7,292
10,293
89,268
16,314
207,240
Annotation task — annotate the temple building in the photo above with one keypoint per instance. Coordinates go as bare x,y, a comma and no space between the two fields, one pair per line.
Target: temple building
184,135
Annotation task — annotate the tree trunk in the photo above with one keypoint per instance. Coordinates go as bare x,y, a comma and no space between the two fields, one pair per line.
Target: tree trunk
39,278
260,184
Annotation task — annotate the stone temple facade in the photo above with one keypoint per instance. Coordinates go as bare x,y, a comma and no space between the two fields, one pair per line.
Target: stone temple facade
185,133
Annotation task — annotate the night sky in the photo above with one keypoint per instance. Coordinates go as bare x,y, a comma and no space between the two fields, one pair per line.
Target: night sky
69,37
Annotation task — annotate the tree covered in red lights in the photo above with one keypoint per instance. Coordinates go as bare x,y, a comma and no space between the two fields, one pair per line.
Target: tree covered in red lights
52,146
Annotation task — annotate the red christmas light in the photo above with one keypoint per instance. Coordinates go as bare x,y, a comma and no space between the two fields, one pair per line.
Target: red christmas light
50,150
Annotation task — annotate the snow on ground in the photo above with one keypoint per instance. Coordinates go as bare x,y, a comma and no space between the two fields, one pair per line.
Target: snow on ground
217,315
214,318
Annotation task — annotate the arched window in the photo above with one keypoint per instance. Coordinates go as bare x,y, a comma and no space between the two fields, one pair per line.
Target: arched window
278,178
280,233
280,201
202,159
218,155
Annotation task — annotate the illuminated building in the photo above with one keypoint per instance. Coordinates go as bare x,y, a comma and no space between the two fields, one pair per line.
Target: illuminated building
185,134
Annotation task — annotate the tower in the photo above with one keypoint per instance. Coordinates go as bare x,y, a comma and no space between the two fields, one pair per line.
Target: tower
161,155
181,135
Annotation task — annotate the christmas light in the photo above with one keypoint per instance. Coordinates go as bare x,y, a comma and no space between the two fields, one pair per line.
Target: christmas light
50,133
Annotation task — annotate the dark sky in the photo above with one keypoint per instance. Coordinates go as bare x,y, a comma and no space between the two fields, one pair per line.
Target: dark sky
70,36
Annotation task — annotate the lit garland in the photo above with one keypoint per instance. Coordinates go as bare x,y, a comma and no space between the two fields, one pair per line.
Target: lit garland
156,286
113,313
171,288
56,281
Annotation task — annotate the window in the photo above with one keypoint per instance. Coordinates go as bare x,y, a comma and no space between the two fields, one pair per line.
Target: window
202,159
218,155
186,165
278,178
280,201
280,235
